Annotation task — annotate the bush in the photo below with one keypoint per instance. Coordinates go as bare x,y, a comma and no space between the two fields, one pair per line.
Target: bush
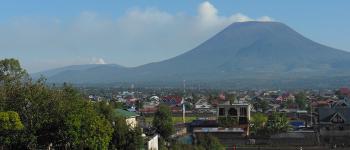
227,122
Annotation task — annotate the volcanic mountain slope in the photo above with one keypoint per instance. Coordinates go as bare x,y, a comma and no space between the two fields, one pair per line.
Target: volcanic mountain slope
247,50
254,47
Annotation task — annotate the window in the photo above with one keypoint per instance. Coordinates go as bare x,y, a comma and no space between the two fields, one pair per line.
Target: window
243,111
232,112
243,120
221,111
337,118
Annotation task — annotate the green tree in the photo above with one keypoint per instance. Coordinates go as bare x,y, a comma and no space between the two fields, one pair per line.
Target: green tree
232,98
300,99
10,125
125,137
11,70
261,104
163,122
227,122
258,123
105,109
209,142
57,116
277,123
83,126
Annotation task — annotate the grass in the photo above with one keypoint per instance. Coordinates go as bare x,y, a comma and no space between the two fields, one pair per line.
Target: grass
175,119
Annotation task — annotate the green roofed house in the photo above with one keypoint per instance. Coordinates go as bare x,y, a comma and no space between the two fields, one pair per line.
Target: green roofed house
130,117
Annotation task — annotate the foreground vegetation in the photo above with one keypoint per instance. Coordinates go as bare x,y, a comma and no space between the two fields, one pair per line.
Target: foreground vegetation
35,116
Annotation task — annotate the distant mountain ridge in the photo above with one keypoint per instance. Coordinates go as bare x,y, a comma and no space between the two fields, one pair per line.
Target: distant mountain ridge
79,73
246,50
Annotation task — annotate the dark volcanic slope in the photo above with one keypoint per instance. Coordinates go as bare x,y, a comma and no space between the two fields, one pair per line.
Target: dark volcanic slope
248,50
250,47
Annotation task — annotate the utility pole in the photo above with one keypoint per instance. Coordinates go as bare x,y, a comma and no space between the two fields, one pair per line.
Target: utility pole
184,84
183,111
311,113
132,87
183,103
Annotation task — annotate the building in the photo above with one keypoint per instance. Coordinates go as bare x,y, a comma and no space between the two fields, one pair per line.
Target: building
334,124
202,105
239,112
172,101
152,142
130,117
230,127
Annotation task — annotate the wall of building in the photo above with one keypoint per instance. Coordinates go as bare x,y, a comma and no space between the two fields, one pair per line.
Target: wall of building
152,144
131,122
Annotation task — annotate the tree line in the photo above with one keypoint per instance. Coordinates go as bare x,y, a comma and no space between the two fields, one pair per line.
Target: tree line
36,116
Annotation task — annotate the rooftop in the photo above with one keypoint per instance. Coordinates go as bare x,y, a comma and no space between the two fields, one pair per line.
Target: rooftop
125,113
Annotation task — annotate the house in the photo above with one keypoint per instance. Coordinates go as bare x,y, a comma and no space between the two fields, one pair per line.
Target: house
150,105
152,142
95,98
334,124
202,105
238,111
171,100
154,100
130,117
322,103
344,91
285,97
340,103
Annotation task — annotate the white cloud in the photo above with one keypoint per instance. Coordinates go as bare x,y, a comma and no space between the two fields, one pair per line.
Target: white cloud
265,19
207,12
139,36
98,61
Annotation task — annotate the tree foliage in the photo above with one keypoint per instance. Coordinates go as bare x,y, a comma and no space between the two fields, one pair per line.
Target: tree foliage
163,122
60,117
258,123
125,137
227,122
277,123
300,100
10,126
10,121
261,104
11,70
209,142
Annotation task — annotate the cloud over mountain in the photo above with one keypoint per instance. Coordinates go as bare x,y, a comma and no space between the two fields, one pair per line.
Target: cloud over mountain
100,61
143,34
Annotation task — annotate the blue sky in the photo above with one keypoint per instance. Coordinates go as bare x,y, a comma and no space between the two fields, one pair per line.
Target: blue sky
47,34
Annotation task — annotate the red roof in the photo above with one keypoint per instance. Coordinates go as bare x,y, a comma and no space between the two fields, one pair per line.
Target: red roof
171,100
344,91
